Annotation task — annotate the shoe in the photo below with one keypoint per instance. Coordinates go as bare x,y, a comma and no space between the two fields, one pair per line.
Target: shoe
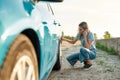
87,65
85,62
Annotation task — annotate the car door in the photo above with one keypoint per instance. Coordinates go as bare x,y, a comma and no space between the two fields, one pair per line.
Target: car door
49,39
55,31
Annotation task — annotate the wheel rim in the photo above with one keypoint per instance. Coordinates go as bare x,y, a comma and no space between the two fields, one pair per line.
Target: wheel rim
23,70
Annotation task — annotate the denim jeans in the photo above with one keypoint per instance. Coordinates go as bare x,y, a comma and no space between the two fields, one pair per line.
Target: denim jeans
84,54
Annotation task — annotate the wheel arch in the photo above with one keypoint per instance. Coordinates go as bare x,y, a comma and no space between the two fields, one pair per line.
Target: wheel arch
32,35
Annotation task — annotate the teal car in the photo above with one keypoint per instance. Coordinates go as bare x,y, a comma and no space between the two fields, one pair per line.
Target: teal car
29,40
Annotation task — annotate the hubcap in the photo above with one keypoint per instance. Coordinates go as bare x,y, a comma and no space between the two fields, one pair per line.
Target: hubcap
23,70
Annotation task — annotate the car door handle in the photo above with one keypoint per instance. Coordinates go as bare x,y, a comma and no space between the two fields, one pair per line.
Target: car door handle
55,23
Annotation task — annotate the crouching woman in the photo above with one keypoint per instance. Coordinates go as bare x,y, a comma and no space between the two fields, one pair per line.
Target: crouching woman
87,51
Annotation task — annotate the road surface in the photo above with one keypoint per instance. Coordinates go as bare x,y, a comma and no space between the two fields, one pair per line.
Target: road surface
105,67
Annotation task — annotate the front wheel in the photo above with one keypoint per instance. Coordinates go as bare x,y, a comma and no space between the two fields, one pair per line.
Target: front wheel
21,61
57,65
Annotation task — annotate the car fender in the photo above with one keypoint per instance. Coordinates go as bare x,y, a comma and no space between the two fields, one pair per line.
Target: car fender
10,34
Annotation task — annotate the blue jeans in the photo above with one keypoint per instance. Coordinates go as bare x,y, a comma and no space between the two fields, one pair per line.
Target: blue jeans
84,54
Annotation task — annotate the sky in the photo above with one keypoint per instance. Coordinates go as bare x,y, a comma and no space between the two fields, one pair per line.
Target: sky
101,16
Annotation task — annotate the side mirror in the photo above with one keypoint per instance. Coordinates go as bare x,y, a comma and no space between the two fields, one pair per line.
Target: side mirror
52,0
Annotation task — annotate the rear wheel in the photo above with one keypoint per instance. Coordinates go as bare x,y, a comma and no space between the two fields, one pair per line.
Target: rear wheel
57,65
21,61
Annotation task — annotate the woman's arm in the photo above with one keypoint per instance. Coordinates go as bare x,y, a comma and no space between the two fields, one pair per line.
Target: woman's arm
87,42
70,41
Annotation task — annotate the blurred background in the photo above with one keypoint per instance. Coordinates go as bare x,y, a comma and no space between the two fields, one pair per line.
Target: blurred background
102,16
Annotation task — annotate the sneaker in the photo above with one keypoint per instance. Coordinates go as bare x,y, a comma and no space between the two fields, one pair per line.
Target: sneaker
85,62
87,65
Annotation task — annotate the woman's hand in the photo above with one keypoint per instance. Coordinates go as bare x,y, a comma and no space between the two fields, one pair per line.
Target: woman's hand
61,39
85,33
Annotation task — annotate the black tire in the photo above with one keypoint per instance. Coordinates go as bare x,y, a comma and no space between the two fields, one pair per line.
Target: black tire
22,46
57,65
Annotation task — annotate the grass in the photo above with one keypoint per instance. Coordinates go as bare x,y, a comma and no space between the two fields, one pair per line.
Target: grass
101,63
111,50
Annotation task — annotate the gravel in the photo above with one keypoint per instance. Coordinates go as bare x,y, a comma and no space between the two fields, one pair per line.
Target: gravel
105,67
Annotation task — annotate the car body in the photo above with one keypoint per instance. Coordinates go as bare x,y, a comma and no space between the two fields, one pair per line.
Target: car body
37,22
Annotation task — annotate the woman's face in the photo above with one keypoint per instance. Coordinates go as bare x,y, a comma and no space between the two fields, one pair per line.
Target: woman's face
81,30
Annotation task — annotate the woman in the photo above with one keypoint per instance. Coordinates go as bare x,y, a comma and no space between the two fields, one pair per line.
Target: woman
88,50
